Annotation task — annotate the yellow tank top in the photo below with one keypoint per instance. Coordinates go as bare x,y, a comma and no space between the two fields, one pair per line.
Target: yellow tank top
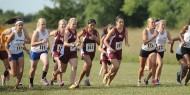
4,40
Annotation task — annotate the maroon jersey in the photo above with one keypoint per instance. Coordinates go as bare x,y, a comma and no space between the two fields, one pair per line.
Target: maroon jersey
89,45
116,40
71,39
58,42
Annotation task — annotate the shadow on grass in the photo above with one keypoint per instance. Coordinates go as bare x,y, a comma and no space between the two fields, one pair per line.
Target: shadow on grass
82,87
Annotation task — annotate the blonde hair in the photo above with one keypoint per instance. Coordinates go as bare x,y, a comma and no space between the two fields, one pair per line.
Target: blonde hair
62,20
70,21
40,20
148,21
160,22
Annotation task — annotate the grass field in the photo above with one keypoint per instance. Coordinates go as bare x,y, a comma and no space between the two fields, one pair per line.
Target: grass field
124,82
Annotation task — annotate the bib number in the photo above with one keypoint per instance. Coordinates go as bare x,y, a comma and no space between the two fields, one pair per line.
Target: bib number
42,47
160,47
18,48
59,47
118,45
90,47
150,45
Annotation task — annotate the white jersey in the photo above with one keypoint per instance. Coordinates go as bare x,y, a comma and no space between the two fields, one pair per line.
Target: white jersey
151,45
178,51
17,43
187,37
161,41
41,47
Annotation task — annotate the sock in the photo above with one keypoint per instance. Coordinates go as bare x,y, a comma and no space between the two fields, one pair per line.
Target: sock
44,74
31,80
87,78
6,72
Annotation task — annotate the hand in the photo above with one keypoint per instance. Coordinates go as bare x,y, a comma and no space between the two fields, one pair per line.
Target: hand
94,37
10,57
170,41
45,40
155,35
112,50
183,43
127,44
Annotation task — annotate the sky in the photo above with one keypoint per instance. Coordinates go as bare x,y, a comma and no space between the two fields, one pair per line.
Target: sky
25,6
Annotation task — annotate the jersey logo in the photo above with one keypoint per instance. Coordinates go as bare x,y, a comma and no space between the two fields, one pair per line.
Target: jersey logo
121,36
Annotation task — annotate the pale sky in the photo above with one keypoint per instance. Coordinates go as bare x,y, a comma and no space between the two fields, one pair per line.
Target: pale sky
25,6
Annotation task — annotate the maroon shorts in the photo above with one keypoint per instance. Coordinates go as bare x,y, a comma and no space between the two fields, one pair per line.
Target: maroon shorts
105,59
116,55
3,55
55,54
66,57
90,54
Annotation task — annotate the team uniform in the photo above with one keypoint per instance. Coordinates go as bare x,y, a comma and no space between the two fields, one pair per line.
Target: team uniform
103,57
116,43
3,52
186,49
89,45
68,53
150,47
37,50
160,43
17,44
179,55
57,45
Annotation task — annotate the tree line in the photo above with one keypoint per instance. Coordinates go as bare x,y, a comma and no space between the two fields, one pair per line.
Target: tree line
135,12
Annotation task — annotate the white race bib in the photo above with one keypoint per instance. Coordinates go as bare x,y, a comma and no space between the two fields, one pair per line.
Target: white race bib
42,47
73,48
59,47
160,47
90,47
118,45
18,48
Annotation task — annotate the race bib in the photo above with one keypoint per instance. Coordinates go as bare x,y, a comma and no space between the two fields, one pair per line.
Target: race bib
73,48
160,47
150,45
59,47
18,48
90,47
42,47
118,45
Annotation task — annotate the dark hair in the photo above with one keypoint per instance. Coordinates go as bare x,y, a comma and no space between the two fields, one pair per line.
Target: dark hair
91,21
13,20
105,29
119,17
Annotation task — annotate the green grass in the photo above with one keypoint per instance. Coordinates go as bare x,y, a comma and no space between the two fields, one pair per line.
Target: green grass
124,82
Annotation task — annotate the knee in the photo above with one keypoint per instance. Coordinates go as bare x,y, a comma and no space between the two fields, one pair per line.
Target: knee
89,65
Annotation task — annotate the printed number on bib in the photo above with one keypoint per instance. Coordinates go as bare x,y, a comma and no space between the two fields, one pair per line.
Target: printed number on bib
150,45
90,47
118,45
160,47
59,47
42,47
19,48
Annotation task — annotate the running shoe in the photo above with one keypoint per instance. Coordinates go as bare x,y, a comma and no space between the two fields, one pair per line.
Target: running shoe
138,83
73,86
31,85
87,82
50,82
145,81
155,82
178,78
61,83
3,80
44,81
